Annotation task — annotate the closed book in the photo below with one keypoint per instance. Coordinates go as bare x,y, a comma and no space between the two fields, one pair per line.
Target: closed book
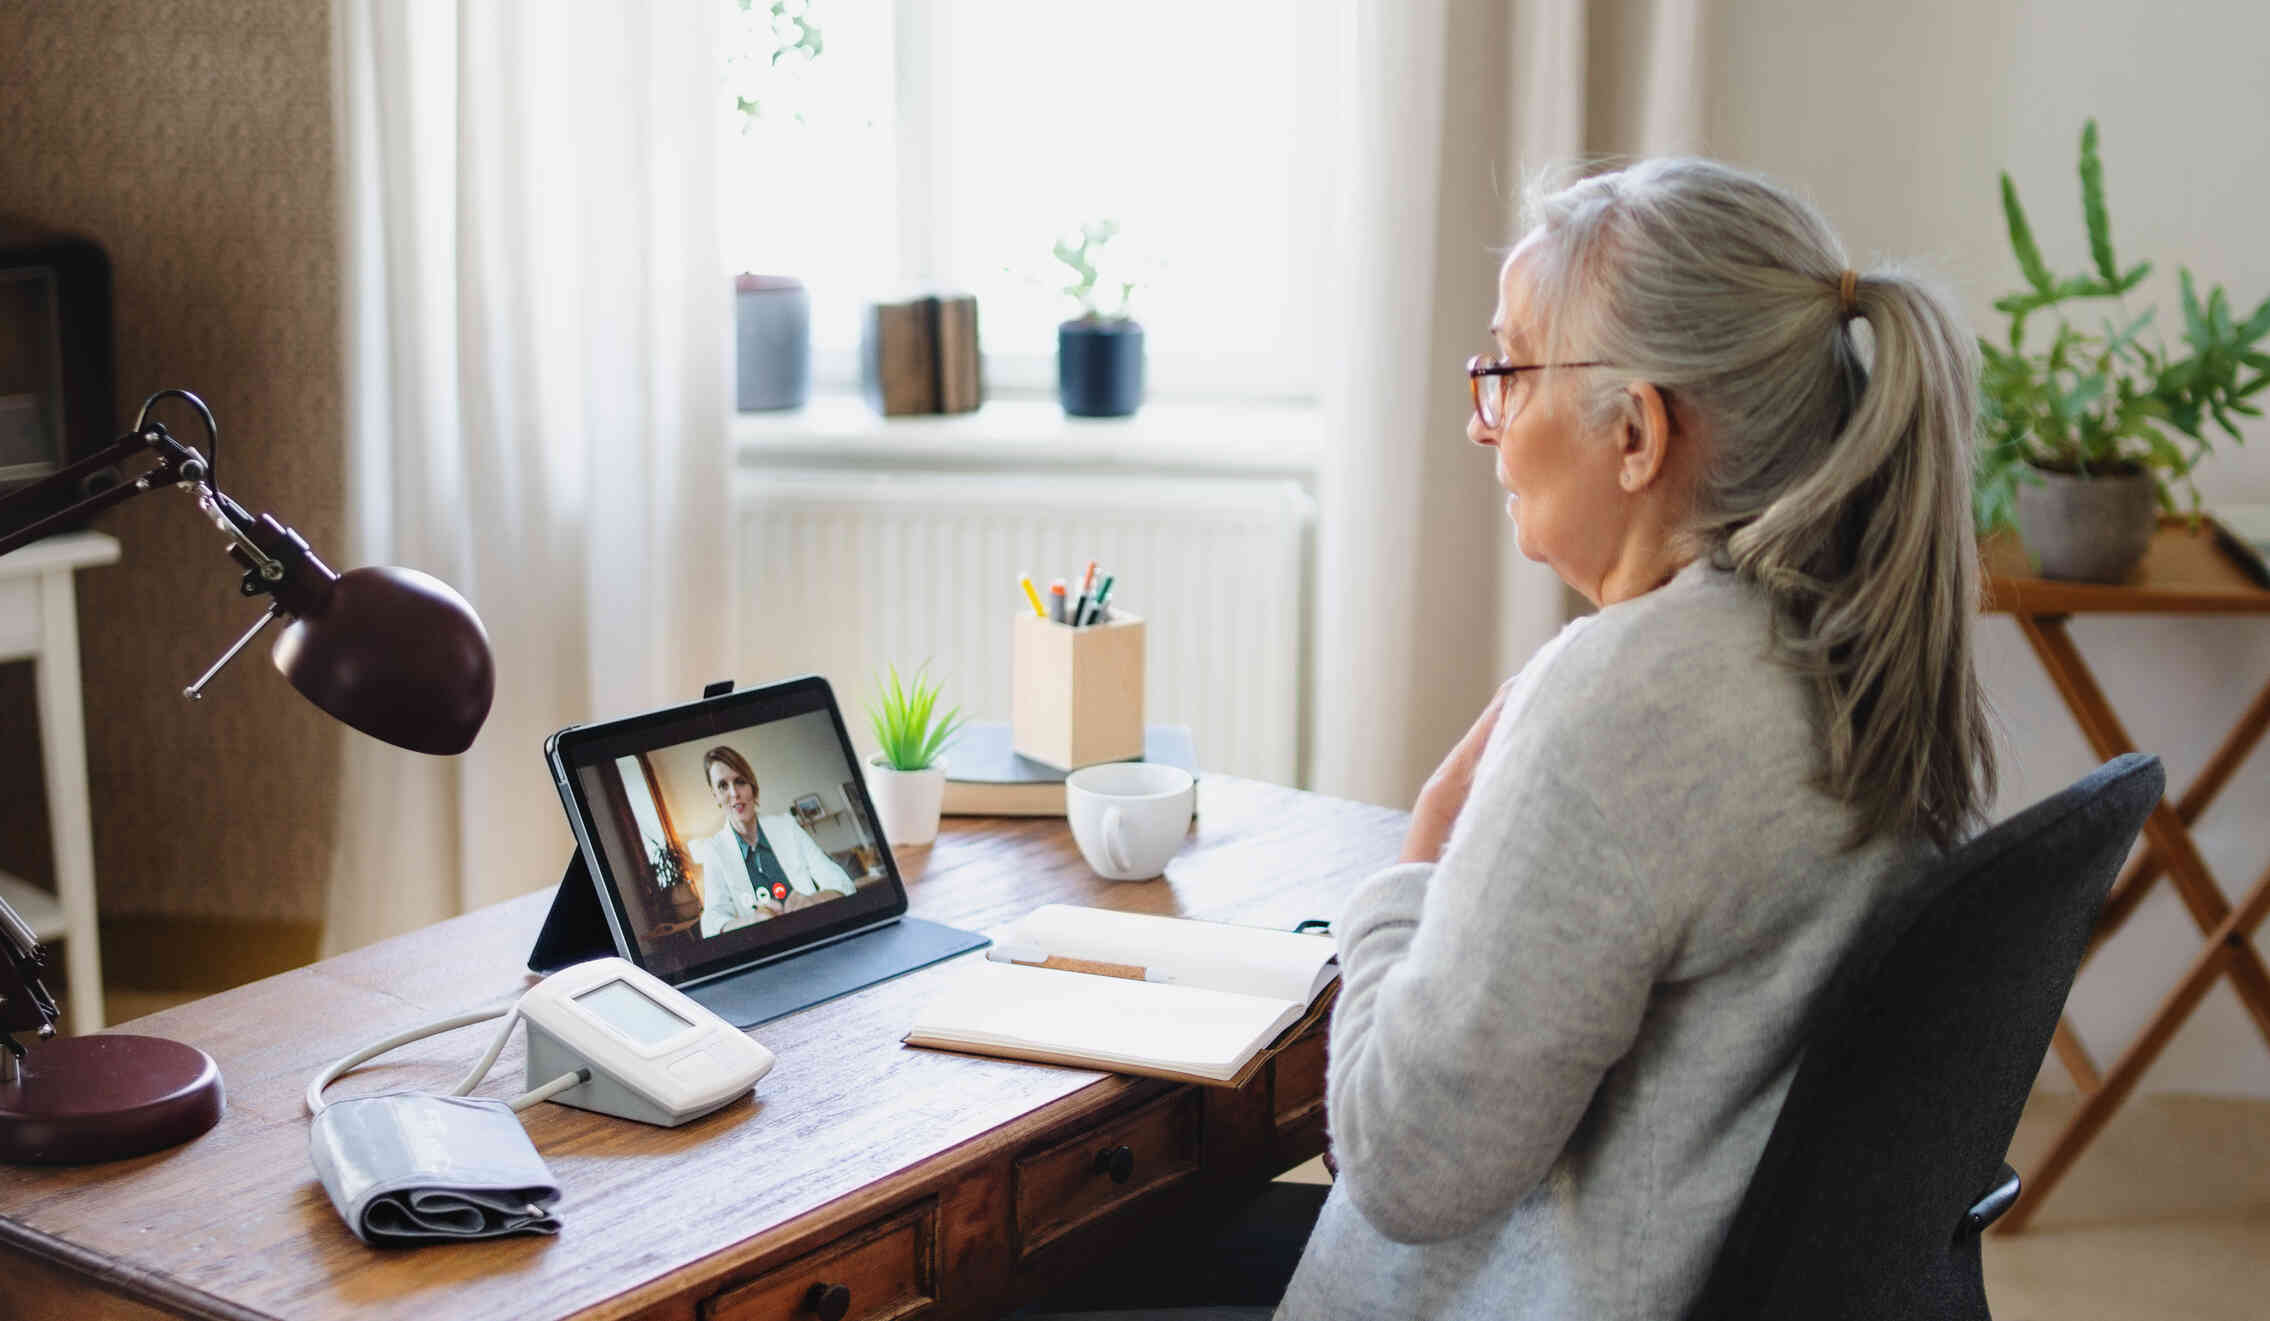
1160,997
986,777
2243,531
899,357
961,373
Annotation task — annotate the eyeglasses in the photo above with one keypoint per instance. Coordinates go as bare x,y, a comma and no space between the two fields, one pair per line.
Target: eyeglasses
1492,381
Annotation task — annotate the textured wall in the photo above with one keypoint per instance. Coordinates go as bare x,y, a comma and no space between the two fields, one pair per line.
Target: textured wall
1897,119
193,141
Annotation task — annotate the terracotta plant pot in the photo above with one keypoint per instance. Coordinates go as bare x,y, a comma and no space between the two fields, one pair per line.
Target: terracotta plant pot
2087,529
907,803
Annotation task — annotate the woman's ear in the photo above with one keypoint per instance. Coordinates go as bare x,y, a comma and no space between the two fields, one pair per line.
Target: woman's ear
1644,442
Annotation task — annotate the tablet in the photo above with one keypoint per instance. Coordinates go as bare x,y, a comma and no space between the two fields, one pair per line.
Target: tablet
727,832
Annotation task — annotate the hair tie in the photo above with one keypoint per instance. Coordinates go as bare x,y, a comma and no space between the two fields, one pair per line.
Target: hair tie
1844,291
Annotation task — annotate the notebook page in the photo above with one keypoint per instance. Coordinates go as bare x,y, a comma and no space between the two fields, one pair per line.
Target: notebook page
1110,1020
1277,965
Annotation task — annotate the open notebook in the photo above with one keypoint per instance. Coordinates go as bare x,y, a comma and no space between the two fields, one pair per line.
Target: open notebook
1166,997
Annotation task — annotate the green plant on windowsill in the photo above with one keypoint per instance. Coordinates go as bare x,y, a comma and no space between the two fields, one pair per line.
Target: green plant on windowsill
1082,252
905,720
2097,405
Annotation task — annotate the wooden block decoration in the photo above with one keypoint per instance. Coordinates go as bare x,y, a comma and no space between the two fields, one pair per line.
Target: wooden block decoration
1077,693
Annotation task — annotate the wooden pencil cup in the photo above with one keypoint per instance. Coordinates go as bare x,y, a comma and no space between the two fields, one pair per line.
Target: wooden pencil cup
1077,692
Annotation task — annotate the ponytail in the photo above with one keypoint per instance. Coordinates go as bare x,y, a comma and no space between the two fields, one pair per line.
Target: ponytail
1839,476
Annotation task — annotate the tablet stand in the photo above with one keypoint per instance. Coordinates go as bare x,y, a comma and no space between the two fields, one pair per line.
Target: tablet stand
576,931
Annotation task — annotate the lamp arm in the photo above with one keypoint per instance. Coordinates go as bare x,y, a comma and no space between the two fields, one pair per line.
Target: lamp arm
176,463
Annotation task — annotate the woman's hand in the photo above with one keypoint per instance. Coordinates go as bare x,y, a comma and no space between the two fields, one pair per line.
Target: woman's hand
1444,795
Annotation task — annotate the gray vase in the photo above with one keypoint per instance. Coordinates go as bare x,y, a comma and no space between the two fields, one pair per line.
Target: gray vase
772,343
2087,529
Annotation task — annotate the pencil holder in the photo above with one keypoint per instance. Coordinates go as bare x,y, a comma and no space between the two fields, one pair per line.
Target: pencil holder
1077,694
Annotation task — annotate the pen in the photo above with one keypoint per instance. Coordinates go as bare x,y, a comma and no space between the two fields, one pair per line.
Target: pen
1088,580
1026,582
1103,594
1056,602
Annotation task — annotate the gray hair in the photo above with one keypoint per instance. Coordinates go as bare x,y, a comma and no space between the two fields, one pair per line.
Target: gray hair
1839,471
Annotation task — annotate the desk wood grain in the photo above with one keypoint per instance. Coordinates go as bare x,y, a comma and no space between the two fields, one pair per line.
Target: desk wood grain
853,1133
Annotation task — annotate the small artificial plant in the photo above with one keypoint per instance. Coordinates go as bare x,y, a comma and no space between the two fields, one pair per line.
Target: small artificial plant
903,717
1081,252
2101,404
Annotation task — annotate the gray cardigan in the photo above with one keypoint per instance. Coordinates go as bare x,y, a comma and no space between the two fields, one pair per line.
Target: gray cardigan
1558,1051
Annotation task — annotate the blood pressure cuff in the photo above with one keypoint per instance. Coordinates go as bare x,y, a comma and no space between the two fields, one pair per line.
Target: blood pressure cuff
408,1168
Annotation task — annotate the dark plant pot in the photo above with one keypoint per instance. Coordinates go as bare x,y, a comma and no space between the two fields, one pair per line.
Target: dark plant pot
772,343
2087,529
1099,367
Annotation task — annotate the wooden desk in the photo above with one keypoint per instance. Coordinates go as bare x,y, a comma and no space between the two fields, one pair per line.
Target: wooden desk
2183,572
930,1184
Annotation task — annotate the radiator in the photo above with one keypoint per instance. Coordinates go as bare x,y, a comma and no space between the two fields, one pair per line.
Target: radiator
840,573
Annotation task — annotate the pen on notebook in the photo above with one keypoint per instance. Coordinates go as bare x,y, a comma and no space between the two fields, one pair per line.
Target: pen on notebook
1103,595
1026,582
1056,602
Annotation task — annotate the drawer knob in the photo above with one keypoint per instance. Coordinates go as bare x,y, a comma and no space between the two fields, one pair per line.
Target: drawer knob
829,1302
1118,1162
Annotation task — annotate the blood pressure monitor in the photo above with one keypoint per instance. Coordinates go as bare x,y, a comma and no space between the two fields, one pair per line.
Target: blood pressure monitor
653,1054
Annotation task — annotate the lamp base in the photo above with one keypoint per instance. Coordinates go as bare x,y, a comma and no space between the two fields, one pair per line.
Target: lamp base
107,1097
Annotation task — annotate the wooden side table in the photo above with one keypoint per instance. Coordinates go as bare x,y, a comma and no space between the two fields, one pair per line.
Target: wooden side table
39,619
2184,572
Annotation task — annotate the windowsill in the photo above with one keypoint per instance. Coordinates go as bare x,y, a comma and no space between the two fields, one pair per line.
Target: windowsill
1239,438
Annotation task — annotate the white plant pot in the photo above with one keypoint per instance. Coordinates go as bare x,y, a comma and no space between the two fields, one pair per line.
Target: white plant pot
907,802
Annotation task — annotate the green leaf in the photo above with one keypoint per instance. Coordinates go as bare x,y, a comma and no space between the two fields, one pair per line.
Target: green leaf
2194,321
2092,205
2256,325
2219,313
2134,277
2022,237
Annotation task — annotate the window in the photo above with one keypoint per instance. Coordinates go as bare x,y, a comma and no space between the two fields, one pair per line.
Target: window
950,142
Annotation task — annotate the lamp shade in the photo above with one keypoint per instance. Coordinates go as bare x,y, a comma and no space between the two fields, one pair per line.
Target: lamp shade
396,654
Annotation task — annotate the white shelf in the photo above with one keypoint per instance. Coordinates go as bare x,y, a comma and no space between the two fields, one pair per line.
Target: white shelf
37,907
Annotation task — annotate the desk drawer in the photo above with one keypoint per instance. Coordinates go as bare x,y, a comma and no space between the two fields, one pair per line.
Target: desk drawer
1296,1081
1116,1161
886,1272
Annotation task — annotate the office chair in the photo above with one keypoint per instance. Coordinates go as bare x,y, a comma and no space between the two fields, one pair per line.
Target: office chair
1886,1162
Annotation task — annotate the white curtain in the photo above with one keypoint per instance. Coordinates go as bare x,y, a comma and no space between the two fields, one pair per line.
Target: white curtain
1424,603
537,396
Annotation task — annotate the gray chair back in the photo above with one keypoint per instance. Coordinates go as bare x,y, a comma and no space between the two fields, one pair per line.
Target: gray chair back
1887,1159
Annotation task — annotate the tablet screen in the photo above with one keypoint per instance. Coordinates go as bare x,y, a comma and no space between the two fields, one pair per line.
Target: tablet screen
729,830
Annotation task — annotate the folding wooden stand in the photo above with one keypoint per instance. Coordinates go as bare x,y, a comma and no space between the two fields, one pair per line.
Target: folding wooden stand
2184,573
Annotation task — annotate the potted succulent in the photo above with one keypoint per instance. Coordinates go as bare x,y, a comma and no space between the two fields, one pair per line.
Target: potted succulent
906,779
772,314
2076,440
1099,354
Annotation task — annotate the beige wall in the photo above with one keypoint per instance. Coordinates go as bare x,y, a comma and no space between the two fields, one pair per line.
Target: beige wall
1896,120
193,141
792,758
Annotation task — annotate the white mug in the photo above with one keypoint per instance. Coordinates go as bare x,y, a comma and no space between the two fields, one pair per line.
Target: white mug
1129,817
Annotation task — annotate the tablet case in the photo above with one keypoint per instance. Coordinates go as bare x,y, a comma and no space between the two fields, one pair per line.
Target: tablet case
575,931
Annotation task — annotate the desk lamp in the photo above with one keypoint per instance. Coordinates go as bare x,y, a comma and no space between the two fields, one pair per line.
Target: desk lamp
391,652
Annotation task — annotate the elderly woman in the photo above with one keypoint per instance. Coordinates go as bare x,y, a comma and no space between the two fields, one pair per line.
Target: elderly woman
1570,1013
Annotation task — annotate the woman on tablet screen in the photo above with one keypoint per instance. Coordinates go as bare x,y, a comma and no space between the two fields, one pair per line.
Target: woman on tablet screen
757,866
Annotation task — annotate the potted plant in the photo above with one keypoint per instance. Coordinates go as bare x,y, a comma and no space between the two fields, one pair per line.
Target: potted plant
906,779
2075,435
1099,354
772,314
